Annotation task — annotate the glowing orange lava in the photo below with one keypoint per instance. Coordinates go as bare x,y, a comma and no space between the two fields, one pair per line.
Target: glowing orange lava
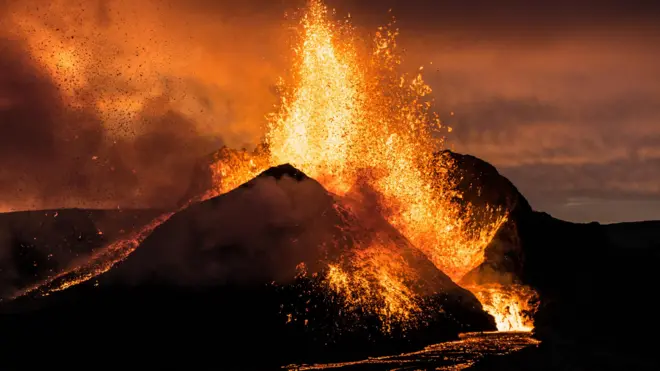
98,263
511,305
352,121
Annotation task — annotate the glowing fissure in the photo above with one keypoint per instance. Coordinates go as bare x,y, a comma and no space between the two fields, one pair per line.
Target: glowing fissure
98,263
511,305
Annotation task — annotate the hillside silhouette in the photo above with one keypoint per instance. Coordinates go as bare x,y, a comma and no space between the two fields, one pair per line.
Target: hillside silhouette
596,282
229,267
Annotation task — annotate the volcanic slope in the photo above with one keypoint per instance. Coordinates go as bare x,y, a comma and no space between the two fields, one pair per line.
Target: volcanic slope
279,265
596,282
39,243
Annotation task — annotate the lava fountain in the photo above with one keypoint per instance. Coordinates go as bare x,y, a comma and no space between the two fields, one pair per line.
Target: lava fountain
352,121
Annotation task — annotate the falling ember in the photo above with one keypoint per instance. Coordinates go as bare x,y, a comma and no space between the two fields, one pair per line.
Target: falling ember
511,305
376,282
99,263
235,168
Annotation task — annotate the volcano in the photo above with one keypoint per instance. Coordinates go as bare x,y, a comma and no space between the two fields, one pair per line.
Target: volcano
229,269
252,269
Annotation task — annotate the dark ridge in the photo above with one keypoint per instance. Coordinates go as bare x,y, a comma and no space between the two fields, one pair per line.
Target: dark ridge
482,185
596,282
279,171
39,243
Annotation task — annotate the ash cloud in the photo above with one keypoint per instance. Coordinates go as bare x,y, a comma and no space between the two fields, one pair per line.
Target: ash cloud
107,104
53,154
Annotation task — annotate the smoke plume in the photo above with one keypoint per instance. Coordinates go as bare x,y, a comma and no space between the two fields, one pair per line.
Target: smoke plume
108,104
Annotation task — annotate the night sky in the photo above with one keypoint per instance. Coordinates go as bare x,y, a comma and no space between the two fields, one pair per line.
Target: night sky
563,97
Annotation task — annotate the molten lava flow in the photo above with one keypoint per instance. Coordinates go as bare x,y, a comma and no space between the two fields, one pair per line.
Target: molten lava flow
511,305
100,262
376,282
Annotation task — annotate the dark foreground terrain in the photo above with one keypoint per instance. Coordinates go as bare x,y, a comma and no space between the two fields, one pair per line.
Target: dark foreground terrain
499,351
469,350
222,279
496,351
169,304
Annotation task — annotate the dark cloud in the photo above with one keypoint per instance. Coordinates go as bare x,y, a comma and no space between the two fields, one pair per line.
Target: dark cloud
575,118
482,22
53,154
615,191
503,114
619,179
110,103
